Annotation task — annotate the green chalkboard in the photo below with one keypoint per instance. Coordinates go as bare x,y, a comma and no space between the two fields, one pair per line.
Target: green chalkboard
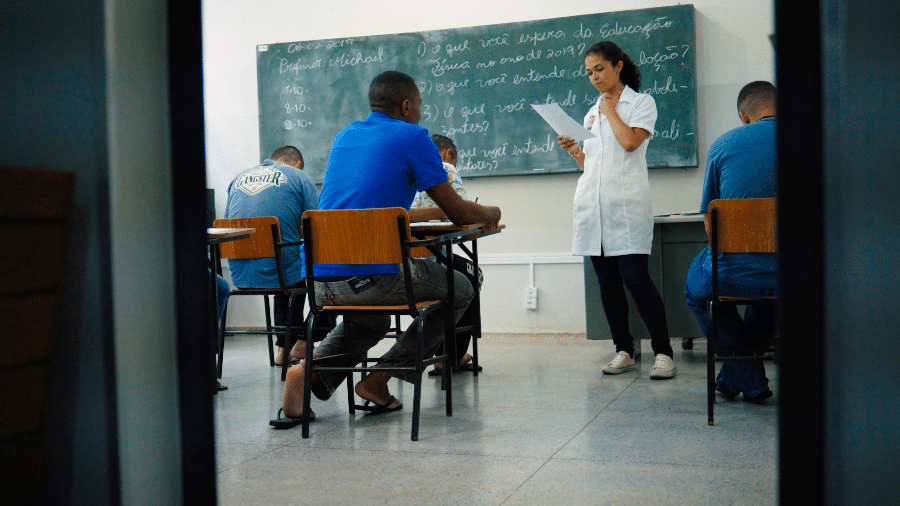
477,84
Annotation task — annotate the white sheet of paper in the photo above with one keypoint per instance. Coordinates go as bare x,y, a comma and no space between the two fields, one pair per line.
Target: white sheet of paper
561,122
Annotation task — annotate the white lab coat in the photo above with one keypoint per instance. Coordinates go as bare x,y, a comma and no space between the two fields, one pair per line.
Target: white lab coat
612,201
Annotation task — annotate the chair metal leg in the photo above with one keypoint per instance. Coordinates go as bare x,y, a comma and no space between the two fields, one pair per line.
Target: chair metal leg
475,337
269,335
417,386
477,334
221,329
446,379
351,394
307,377
710,363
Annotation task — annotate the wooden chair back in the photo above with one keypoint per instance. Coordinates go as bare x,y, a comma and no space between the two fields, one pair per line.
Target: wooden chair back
258,245
356,236
745,225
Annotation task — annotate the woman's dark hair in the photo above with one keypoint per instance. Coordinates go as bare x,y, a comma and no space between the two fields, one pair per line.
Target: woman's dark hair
612,53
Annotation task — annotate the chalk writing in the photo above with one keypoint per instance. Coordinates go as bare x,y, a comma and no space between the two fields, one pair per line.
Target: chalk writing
441,66
671,132
515,106
662,56
540,36
530,148
668,87
491,82
466,128
535,76
296,108
298,123
496,41
297,66
477,84
457,48
293,89
465,112
607,31
331,44
345,59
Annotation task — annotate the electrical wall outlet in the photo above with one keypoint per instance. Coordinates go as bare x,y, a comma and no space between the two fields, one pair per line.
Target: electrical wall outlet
531,297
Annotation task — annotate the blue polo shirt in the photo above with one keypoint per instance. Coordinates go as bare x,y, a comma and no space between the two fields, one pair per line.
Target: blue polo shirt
376,163
741,165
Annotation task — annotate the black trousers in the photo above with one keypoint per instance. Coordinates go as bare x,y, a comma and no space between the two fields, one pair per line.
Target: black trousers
614,274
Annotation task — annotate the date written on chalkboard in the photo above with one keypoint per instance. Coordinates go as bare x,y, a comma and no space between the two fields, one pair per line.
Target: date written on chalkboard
477,84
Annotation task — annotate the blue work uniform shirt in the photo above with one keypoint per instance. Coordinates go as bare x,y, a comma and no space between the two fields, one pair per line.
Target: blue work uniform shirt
378,162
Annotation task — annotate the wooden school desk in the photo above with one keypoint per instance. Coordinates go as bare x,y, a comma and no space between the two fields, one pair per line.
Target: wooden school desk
423,229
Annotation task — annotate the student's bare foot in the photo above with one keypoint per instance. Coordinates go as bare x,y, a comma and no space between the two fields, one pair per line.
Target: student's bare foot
374,388
292,402
463,361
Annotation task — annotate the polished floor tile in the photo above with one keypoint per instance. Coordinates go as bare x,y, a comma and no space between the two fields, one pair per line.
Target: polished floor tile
540,425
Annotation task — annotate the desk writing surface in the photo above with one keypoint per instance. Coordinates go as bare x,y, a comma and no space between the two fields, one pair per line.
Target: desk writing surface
477,85
220,233
425,227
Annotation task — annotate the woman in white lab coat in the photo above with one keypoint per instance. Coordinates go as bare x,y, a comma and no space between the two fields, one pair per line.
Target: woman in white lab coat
613,221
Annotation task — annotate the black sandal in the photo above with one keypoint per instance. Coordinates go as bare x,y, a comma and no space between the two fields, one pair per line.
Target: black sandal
287,423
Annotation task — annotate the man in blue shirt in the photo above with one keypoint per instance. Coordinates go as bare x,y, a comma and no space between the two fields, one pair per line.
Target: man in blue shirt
376,163
740,165
278,187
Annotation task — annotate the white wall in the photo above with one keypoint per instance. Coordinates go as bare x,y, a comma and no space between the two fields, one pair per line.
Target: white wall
733,48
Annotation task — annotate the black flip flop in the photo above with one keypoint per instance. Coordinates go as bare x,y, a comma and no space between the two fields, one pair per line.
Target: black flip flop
375,409
287,423
465,367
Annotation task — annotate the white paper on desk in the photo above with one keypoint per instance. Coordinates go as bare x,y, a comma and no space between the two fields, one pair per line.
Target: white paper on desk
561,122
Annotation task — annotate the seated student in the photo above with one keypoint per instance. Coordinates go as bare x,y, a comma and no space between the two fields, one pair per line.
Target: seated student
740,165
278,187
449,155
381,162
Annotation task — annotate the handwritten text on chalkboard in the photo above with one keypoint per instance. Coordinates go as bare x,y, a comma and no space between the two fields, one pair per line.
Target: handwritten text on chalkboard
477,83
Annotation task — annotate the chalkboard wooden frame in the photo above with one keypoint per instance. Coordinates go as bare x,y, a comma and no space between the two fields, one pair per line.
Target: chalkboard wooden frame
477,84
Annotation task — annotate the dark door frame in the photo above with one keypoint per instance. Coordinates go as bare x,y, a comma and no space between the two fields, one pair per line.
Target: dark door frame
801,370
191,278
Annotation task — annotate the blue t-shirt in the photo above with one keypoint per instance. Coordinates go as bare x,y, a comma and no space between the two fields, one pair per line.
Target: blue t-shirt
376,163
271,189
741,165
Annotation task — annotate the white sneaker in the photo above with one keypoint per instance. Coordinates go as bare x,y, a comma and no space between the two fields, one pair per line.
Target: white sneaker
621,363
664,368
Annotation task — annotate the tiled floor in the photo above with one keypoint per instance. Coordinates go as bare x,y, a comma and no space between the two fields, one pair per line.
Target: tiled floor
540,425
